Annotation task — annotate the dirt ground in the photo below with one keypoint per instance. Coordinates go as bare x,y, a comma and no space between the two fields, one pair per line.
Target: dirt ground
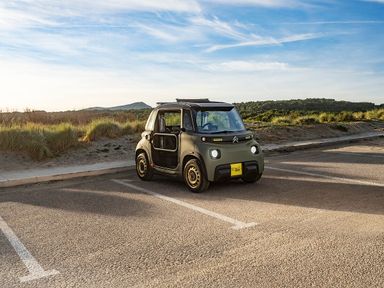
123,148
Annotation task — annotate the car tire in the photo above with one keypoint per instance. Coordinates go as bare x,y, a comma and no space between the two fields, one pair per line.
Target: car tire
143,168
194,176
252,178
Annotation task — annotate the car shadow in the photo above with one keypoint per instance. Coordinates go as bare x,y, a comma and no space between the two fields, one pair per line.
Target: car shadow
332,156
83,201
302,191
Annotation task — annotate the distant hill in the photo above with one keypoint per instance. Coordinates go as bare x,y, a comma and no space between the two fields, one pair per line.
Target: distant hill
132,106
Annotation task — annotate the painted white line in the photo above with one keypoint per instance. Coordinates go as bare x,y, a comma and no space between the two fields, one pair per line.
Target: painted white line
347,180
342,153
236,223
34,268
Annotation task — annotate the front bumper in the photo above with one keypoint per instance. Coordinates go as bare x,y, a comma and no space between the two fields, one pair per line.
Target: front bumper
249,168
230,154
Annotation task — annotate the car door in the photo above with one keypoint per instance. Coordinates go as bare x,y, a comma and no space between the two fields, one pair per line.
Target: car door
165,139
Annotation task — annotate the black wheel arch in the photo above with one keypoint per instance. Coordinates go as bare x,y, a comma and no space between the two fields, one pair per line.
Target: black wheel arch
142,150
194,156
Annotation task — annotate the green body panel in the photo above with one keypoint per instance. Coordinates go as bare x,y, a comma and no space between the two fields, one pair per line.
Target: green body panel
230,153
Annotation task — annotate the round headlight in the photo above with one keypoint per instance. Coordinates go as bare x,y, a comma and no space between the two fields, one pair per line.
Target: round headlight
254,149
214,153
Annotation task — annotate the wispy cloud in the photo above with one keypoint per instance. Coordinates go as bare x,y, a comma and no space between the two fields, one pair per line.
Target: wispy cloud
12,18
247,66
54,51
69,7
219,26
337,22
267,41
265,3
170,33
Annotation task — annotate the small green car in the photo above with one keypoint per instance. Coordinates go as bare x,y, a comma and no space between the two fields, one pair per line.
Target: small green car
200,140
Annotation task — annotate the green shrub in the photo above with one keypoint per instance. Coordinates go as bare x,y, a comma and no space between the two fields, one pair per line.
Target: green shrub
103,128
62,138
306,120
359,116
327,117
31,141
133,127
282,120
380,114
344,116
375,114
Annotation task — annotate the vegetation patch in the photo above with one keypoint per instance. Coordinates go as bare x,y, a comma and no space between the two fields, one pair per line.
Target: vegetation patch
44,141
43,134
38,141
103,128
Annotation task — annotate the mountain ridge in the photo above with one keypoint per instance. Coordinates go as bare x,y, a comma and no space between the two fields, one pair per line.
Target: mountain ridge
131,106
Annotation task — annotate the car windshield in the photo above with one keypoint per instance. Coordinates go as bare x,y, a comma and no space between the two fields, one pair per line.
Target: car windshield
219,121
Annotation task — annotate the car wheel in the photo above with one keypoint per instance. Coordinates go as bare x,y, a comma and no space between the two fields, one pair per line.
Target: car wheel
143,169
194,176
252,178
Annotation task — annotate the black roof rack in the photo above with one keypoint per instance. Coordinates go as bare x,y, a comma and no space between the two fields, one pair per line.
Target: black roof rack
201,100
197,103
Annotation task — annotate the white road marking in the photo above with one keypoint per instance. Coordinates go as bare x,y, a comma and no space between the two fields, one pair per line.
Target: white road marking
347,180
302,178
237,224
358,154
34,268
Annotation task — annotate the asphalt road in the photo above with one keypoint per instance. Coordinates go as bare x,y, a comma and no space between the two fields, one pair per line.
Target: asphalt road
315,219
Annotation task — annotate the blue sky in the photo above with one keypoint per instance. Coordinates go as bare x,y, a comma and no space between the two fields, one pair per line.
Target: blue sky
59,55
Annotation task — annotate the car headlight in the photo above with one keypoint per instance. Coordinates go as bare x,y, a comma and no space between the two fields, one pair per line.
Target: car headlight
215,153
254,149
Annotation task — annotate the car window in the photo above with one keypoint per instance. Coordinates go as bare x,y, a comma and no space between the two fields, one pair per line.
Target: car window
168,121
216,121
187,120
172,119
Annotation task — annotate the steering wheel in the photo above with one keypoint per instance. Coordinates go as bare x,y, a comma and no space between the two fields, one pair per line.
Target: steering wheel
207,125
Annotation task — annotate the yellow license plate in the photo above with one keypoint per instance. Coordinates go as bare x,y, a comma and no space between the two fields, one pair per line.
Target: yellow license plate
236,169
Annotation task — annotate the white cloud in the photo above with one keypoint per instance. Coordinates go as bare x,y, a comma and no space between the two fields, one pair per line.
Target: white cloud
247,66
220,27
10,19
57,44
266,41
31,13
337,22
265,3
69,7
171,33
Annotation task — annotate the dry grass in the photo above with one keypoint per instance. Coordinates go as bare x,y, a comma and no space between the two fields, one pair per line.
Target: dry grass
42,135
39,141
76,118
43,141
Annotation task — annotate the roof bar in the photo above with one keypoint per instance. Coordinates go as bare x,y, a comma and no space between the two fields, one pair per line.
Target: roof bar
200,100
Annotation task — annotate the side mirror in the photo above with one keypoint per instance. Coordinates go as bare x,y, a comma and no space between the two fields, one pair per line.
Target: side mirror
182,129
